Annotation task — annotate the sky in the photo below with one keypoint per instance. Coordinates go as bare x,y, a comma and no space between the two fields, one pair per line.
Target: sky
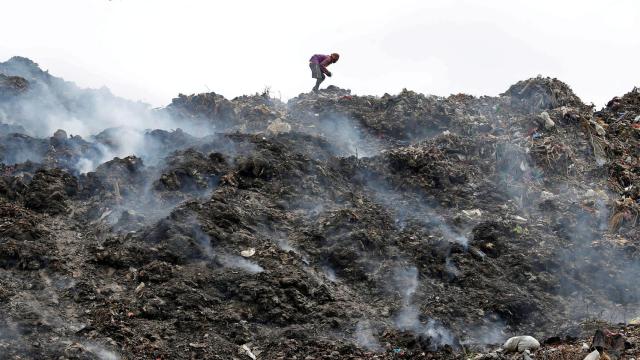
152,50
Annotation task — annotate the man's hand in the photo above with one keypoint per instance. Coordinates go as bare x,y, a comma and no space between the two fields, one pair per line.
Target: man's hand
329,73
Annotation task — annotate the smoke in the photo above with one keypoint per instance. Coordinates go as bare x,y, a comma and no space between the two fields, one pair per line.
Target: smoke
451,268
224,259
45,111
347,137
330,273
43,308
116,127
414,209
406,282
600,279
100,351
408,318
595,276
365,337
51,103
489,332
136,204
203,239
283,244
515,173
237,262
31,305
84,165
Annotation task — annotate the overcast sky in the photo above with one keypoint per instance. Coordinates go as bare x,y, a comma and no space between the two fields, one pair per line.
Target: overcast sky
151,50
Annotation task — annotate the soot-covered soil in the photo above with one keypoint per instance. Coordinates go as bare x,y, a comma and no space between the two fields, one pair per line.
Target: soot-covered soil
332,226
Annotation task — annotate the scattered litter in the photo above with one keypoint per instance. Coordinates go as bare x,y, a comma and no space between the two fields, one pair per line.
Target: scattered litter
521,343
248,253
361,185
548,123
139,288
519,219
244,349
473,213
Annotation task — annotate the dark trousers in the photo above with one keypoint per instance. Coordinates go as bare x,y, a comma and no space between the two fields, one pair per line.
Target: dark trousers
316,73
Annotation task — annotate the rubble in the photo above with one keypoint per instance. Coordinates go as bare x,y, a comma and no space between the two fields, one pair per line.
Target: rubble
542,93
606,341
208,107
49,191
521,344
278,126
447,225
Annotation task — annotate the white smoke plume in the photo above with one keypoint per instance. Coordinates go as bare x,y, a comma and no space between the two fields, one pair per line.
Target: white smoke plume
408,318
414,210
51,103
226,260
365,337
347,137
100,351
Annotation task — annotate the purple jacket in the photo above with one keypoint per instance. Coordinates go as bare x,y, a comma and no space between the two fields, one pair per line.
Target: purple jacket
323,61
317,58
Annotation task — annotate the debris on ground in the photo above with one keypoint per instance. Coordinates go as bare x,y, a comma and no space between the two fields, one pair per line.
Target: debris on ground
332,226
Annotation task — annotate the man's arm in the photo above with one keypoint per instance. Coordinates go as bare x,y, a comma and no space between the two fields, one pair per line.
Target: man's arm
323,66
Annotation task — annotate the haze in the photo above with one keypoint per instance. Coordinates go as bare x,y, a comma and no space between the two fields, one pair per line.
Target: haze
153,50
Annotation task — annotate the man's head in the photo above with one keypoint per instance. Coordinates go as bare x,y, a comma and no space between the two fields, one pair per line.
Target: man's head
335,57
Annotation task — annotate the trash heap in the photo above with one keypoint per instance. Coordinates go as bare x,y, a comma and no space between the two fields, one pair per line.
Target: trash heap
208,107
619,121
333,226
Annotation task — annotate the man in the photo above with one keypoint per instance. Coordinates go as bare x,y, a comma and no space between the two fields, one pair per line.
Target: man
318,64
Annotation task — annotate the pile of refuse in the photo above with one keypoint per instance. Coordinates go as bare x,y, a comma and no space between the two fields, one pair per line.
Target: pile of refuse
619,124
332,226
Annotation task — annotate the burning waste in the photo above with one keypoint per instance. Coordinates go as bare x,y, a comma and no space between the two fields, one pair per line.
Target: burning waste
330,226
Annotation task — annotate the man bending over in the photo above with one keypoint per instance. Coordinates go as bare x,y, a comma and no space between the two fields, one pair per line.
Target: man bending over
318,64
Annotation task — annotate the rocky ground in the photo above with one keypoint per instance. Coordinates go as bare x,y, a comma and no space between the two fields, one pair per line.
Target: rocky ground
333,226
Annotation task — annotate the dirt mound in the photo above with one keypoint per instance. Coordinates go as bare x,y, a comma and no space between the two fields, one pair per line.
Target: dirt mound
17,148
24,243
49,191
333,226
537,94
619,125
207,108
406,115
191,171
257,112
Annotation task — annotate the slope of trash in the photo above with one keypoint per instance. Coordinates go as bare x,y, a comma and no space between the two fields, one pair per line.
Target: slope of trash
332,226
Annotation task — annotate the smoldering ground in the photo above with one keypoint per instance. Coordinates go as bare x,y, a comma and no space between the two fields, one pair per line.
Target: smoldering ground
333,236
112,126
347,137
225,259
580,214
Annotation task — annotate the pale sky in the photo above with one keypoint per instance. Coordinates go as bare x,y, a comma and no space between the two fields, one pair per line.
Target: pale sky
151,50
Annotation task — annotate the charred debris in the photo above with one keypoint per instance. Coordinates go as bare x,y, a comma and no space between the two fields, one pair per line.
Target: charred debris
332,226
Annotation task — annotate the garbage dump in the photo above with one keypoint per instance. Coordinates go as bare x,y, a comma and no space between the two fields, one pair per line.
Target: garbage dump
330,226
